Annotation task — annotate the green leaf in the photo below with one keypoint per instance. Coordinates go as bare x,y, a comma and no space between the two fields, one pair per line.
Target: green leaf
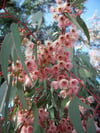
72,19
80,24
90,126
40,129
36,117
74,114
17,44
37,18
14,55
5,53
8,98
84,73
45,85
20,93
3,94
83,26
63,105
35,51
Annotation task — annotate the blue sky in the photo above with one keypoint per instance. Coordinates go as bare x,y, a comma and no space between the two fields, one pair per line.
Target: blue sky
91,6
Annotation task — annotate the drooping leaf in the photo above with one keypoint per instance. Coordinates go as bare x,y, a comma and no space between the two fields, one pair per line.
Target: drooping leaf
64,102
85,73
14,54
37,18
36,117
8,98
83,26
80,24
5,53
17,44
72,19
74,114
90,126
20,93
3,94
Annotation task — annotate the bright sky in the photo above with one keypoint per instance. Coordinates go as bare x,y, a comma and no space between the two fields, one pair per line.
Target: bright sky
91,6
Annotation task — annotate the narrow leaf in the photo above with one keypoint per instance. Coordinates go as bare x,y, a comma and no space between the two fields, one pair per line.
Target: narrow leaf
35,51
74,114
83,26
84,73
90,126
40,129
72,19
17,44
20,93
64,102
3,94
5,53
36,117
37,18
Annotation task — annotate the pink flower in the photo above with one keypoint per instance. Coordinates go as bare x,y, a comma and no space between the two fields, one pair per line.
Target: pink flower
58,1
18,65
73,90
55,68
59,77
74,82
63,84
90,99
61,64
59,9
68,65
55,84
24,130
61,38
67,44
29,129
63,93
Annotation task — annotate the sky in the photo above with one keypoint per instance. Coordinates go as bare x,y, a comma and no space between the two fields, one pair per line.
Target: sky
91,6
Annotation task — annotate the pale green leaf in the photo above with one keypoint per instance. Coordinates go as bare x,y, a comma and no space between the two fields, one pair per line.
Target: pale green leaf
36,117
5,53
91,126
84,73
17,44
83,26
3,94
20,93
74,114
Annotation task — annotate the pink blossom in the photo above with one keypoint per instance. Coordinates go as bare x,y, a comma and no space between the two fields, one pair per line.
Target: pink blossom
63,93
58,1
74,82
29,129
55,84
61,38
68,65
24,130
90,99
63,84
